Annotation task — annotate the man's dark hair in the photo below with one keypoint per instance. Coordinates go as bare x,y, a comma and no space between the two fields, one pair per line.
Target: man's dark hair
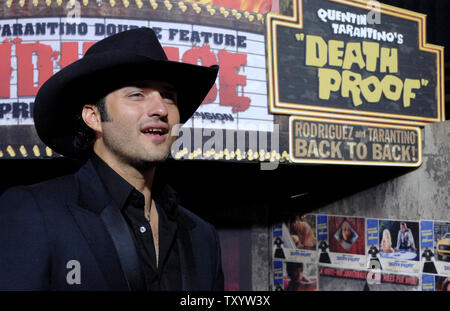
85,136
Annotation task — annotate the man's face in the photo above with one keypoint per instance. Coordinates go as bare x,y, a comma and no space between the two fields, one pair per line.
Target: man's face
141,117
403,228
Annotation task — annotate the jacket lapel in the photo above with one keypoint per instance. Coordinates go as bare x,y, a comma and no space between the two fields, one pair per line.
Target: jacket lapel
124,245
106,231
101,246
188,264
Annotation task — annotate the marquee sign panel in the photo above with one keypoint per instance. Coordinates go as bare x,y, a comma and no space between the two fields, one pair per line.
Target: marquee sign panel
38,38
314,140
349,60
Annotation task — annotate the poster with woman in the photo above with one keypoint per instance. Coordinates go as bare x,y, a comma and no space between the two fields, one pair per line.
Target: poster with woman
399,246
295,253
347,241
302,231
295,239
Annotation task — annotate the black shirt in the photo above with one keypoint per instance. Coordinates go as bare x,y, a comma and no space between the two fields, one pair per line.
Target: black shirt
165,275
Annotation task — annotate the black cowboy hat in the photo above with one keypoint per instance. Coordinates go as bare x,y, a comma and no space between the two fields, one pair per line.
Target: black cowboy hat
108,65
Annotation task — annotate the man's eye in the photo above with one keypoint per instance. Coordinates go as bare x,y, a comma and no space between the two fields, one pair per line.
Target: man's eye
136,95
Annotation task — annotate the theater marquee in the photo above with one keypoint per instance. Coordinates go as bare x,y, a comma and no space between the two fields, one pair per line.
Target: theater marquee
354,64
38,38
332,59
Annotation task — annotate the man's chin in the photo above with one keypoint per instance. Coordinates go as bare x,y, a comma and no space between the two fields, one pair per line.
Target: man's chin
148,162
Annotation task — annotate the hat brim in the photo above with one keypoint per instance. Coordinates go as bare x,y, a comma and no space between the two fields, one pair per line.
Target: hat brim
62,97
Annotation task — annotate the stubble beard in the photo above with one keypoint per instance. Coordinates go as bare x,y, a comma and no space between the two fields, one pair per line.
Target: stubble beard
134,155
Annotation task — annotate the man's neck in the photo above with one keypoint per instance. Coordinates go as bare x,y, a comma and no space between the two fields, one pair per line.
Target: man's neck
142,180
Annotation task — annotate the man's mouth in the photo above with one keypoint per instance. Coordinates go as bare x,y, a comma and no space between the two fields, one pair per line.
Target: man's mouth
157,132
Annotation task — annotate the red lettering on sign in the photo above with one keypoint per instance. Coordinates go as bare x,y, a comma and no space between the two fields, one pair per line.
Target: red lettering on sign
411,280
328,271
388,278
229,80
360,275
5,69
399,279
32,56
172,53
207,58
25,74
69,53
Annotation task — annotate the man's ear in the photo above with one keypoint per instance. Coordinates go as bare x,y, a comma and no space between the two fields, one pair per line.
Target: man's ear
91,117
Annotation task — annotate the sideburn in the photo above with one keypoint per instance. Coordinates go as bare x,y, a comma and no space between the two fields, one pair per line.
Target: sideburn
101,106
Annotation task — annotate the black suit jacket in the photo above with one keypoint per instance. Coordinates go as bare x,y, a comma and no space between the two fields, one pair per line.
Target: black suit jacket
44,227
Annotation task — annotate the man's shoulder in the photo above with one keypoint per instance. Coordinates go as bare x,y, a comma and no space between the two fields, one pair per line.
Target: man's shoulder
62,187
58,183
28,204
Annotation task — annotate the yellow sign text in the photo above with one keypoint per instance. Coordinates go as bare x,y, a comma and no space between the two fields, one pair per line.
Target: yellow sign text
369,56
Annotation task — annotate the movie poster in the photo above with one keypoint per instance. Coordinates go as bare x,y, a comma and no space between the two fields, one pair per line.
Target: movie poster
442,247
295,239
295,276
322,239
359,254
347,241
372,245
435,243
435,255
399,246
361,268
295,254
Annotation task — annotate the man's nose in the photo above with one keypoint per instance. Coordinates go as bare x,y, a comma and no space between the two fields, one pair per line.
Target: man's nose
156,106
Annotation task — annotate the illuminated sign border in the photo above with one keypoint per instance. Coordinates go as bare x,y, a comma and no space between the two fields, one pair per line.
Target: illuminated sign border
347,162
296,22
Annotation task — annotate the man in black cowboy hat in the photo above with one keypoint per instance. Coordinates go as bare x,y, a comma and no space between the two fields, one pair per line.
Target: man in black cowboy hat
113,225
